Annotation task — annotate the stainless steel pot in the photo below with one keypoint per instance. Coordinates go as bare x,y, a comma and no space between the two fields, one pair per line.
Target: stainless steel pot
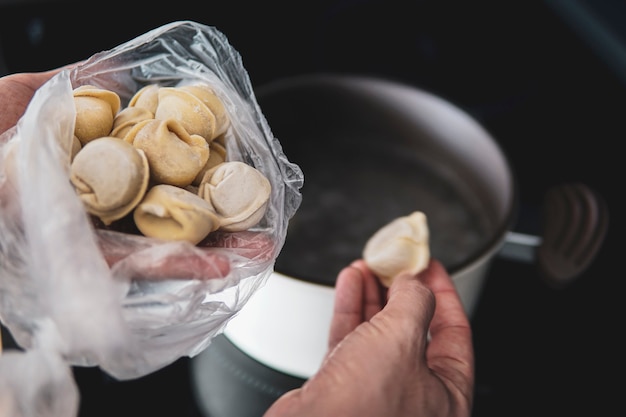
371,150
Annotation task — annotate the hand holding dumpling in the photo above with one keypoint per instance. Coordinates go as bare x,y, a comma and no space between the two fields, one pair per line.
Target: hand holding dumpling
109,187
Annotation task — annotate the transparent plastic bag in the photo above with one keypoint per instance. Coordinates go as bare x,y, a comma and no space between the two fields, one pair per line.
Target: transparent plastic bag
128,303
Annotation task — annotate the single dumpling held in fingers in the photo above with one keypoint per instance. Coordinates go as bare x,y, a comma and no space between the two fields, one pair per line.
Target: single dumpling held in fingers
401,246
110,177
238,192
172,213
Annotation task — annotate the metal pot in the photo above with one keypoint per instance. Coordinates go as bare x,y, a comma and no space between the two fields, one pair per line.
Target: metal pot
371,150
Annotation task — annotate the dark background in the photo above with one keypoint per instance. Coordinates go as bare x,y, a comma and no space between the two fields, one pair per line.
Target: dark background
546,78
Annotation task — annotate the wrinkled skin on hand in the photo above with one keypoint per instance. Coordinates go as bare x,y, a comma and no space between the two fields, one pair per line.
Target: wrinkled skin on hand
381,361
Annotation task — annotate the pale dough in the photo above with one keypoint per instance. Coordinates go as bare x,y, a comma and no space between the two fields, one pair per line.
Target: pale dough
190,111
95,111
175,156
239,194
173,213
164,158
401,246
110,177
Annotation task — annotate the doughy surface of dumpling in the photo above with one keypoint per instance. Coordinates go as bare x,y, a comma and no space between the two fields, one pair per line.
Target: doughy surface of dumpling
110,177
95,111
239,193
214,103
187,109
173,213
127,118
175,156
217,155
401,246
147,98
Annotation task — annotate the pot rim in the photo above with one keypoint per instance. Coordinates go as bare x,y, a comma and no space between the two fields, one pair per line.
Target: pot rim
511,212
296,343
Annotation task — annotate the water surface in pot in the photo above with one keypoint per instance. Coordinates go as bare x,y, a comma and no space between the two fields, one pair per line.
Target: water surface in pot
364,166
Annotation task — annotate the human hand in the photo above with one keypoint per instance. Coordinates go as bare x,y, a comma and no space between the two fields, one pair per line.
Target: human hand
412,356
16,91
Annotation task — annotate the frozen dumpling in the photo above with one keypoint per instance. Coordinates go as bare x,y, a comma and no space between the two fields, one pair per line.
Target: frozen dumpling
110,177
147,98
95,110
173,213
217,155
127,118
398,247
207,95
238,192
184,107
175,156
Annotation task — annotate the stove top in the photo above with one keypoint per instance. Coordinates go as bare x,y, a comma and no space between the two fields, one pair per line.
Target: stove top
546,79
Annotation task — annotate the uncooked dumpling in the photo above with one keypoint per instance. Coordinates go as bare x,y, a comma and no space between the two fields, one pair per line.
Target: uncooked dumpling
401,246
95,111
188,110
173,213
214,103
126,119
147,98
110,177
175,156
217,155
238,192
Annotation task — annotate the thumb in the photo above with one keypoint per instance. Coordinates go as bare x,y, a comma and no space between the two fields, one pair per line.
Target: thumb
410,304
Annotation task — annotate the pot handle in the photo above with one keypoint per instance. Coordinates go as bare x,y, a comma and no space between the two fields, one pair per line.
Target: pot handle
575,221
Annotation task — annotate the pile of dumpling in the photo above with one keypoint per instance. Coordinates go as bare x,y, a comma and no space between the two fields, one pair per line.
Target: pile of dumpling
162,160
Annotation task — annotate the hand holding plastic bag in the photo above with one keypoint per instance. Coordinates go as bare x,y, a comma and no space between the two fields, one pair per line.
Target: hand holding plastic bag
128,303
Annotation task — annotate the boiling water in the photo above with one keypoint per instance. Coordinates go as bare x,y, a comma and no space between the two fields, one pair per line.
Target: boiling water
348,196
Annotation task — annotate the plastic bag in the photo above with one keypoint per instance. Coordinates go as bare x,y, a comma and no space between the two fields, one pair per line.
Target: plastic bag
100,297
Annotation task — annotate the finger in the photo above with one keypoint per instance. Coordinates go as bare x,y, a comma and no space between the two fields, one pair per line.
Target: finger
450,311
373,295
138,257
357,299
450,349
180,263
410,305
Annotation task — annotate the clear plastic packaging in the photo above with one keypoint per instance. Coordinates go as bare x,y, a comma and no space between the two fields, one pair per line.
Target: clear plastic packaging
128,303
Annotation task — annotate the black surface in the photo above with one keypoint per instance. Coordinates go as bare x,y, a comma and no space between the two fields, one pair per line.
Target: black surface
548,92
223,376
